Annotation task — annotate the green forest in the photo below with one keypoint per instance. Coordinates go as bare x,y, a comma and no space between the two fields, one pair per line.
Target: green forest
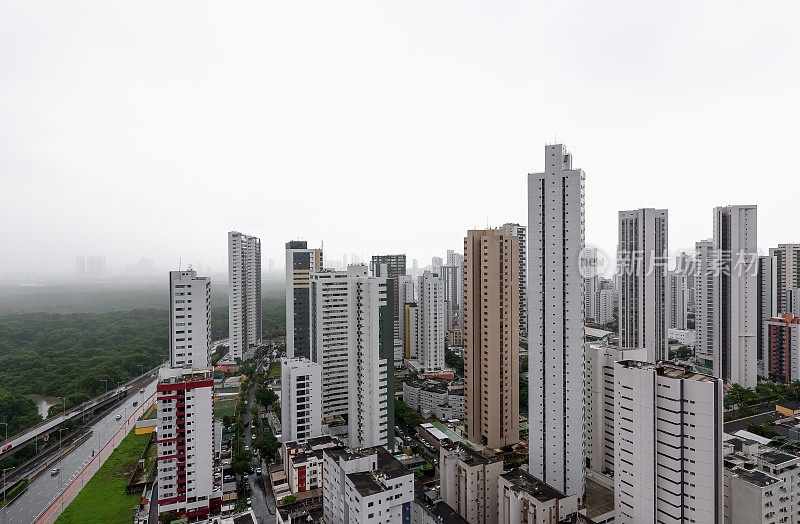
71,354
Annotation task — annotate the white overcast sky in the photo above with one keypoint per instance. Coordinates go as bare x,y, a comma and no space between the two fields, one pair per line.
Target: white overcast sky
150,129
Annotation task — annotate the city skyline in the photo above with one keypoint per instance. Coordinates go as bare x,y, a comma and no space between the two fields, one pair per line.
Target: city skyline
106,154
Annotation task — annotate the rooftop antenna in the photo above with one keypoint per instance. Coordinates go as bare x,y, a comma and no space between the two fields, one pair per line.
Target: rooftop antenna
179,263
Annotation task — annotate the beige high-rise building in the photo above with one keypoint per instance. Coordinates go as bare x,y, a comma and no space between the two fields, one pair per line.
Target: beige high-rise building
788,271
491,336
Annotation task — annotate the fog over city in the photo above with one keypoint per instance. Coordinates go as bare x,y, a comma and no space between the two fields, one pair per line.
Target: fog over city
150,129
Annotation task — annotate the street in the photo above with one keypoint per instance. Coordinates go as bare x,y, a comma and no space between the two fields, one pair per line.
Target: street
46,488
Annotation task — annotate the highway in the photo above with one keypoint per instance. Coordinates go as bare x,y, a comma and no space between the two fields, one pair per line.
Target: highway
47,487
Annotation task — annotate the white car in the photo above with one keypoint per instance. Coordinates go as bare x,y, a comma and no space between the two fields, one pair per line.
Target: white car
119,416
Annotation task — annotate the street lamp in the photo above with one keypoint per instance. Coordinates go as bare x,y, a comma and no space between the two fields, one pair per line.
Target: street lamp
106,383
4,487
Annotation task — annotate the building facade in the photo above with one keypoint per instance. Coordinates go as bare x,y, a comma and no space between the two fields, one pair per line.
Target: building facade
469,482
705,263
524,499
668,444
736,295
186,483
491,337
767,307
366,486
352,338
642,264
600,361
244,293
788,271
556,363
301,399
783,348
434,321
521,233
190,320
300,263
678,300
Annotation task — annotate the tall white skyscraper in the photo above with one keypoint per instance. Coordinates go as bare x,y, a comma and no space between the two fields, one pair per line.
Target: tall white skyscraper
591,284
704,302
244,292
352,338
190,320
642,262
301,399
788,276
678,299
556,324
520,232
432,308
768,301
668,445
300,263
736,295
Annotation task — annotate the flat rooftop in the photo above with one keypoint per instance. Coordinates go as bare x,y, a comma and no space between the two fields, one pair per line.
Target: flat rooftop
526,482
776,458
669,370
754,476
432,504
469,456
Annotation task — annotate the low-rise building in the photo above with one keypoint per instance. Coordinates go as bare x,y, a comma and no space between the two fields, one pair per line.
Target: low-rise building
523,499
469,481
761,484
435,398
368,485
302,462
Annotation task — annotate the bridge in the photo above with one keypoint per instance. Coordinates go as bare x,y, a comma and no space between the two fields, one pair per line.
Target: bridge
18,441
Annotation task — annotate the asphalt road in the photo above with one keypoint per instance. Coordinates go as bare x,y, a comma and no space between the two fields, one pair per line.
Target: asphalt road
47,487
260,502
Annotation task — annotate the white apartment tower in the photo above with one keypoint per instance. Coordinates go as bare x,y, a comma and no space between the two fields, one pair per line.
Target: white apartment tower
301,399
244,292
668,445
678,300
432,308
600,363
591,284
642,262
768,301
556,323
736,295
368,412
352,338
300,263
190,320
520,232
705,262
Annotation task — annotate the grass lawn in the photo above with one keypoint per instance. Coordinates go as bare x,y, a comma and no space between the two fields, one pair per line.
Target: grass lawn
224,408
274,370
103,499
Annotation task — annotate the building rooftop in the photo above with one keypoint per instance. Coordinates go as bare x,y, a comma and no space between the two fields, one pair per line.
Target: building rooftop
776,458
670,370
434,385
433,505
469,456
301,510
526,482
754,476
